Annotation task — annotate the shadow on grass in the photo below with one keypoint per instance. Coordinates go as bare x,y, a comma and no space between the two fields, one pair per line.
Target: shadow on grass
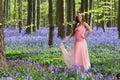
16,56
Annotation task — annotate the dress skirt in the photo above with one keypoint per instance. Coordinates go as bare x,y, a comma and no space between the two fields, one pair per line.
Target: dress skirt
78,55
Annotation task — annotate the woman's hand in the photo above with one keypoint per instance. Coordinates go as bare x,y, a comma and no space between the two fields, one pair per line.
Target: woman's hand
64,42
83,36
67,39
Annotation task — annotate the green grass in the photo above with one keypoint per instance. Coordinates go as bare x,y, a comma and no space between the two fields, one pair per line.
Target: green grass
102,58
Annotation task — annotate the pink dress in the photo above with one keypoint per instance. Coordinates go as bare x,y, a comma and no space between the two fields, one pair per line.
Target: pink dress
78,55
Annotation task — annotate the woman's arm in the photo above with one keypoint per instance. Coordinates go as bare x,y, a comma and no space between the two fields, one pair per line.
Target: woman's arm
67,38
89,30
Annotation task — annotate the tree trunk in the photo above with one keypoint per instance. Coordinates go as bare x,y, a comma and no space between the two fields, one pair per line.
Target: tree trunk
20,16
91,14
38,14
103,21
86,10
69,16
119,19
29,17
97,24
2,48
57,7
44,19
14,10
73,10
111,13
51,27
9,10
34,27
5,13
82,6
15,13
114,12
61,28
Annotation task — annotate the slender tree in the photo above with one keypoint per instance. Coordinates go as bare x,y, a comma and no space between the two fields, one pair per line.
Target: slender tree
14,10
5,13
86,10
34,27
2,48
73,10
118,18
9,9
38,14
69,16
60,19
51,27
82,6
14,16
57,12
91,14
20,16
114,13
111,12
97,24
29,17
103,21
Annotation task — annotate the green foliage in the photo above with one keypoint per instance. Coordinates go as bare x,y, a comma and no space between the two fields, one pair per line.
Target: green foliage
77,5
102,11
4,73
69,23
28,26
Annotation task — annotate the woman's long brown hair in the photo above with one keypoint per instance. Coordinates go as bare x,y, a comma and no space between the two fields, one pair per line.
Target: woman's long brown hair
77,21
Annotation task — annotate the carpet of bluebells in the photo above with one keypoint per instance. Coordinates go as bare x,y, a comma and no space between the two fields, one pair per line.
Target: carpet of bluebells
30,58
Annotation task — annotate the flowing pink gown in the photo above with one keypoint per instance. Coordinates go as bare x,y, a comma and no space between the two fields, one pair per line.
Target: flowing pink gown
78,55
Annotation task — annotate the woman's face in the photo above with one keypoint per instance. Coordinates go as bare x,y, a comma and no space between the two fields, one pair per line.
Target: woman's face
79,17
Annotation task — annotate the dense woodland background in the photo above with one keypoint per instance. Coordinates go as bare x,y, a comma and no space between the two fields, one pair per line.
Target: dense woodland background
32,15
53,13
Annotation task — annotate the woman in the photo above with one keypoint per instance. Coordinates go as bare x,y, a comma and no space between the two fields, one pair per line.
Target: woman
78,55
